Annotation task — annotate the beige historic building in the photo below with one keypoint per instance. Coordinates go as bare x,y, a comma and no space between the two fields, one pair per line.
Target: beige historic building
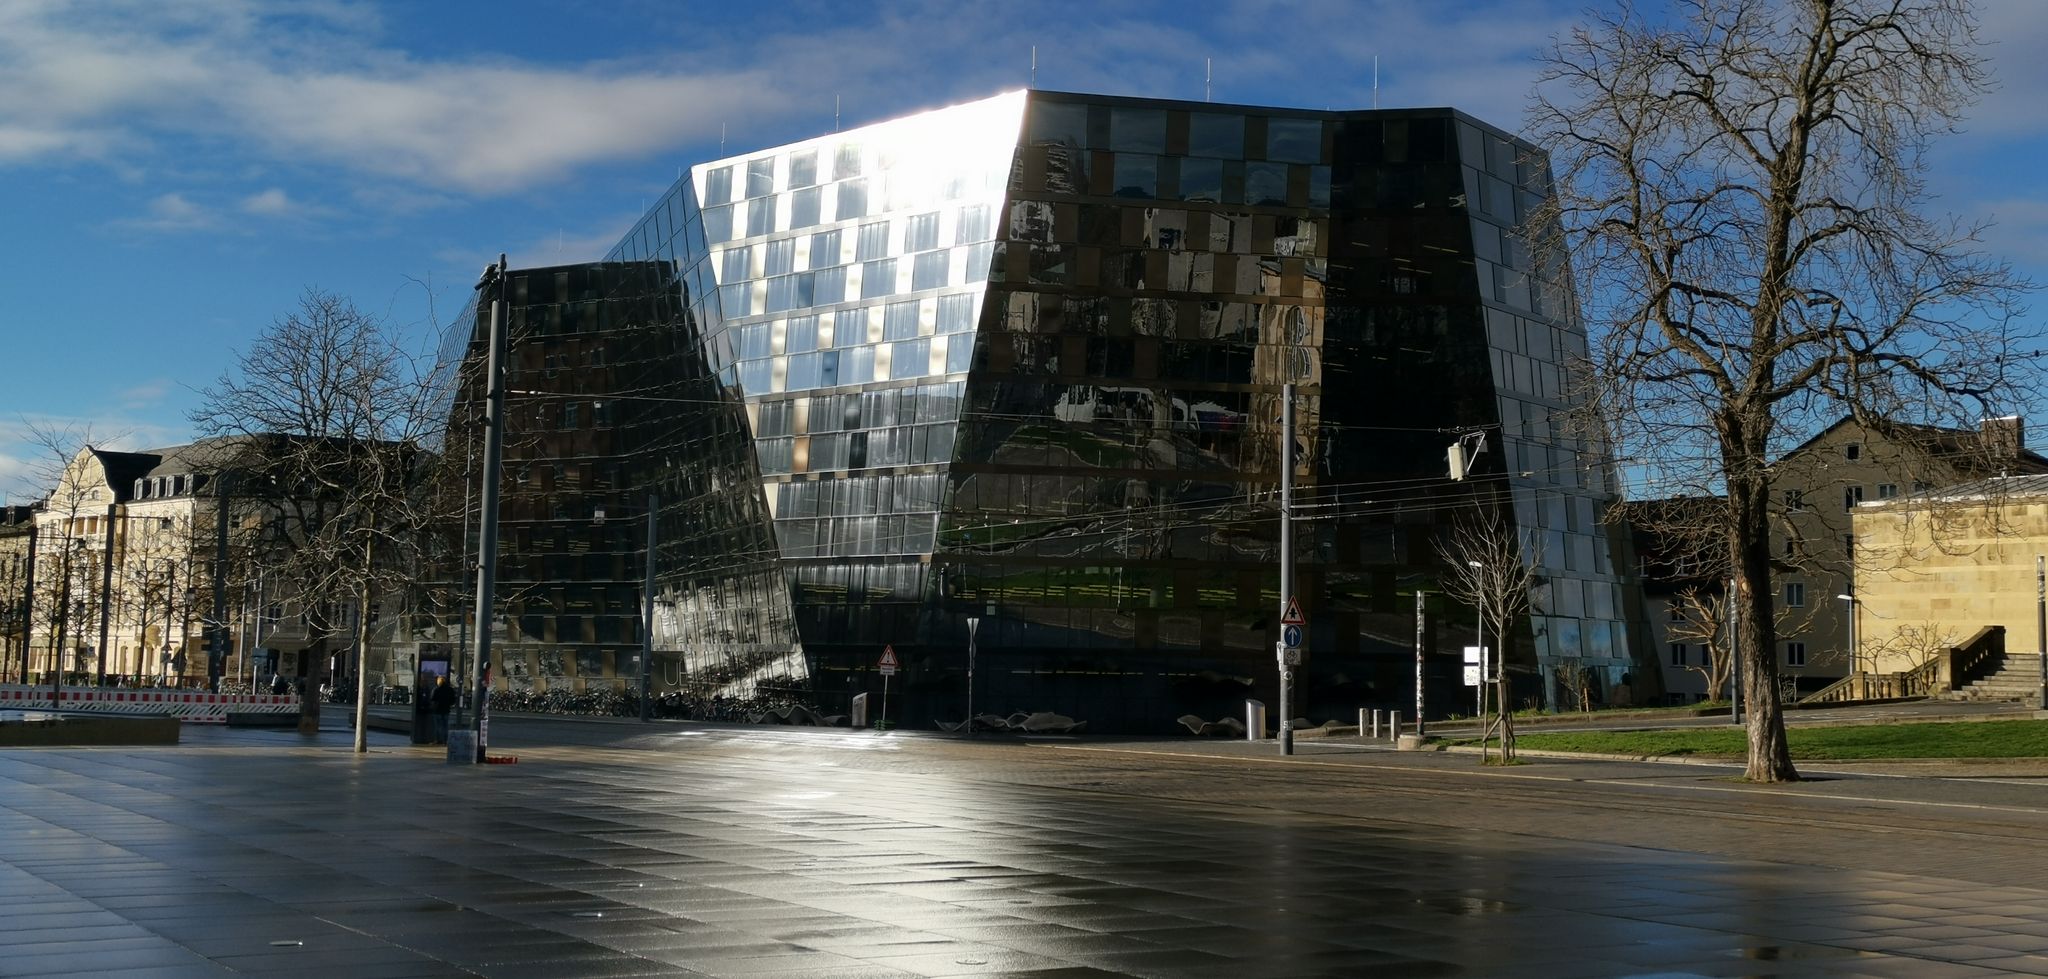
1822,483
1820,570
1935,568
124,568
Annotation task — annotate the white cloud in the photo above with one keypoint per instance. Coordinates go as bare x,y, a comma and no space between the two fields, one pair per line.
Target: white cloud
327,90
271,202
169,214
145,394
71,75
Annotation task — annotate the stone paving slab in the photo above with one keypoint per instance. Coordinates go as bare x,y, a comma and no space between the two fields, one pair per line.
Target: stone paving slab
779,854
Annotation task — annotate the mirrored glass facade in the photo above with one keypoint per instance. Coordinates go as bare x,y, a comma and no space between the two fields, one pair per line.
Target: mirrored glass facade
1021,360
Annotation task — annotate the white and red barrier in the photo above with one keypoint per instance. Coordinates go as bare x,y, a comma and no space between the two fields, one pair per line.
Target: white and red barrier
190,706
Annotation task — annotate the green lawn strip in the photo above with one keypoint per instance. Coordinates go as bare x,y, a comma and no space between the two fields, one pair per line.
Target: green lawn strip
1984,739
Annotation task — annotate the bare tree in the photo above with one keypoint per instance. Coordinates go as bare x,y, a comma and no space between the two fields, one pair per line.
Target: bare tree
66,581
1742,185
1485,567
338,418
1700,614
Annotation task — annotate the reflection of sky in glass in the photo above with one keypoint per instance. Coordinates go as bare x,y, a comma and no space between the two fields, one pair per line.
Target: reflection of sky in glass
895,214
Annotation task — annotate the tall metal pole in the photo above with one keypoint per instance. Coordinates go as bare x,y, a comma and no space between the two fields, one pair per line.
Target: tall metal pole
487,531
973,626
1286,560
647,622
2041,620
1734,657
1418,661
106,594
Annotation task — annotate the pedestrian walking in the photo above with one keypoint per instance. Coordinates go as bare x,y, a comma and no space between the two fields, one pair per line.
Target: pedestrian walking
444,701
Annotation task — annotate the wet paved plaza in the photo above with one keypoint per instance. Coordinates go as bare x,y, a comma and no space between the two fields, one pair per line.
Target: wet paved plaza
704,851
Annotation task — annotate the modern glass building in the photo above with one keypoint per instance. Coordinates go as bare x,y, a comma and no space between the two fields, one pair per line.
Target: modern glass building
1020,361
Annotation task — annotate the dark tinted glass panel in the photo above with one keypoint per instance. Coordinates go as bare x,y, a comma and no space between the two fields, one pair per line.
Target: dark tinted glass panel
1137,130
1294,140
1064,123
1265,183
1216,135
1201,180
1137,175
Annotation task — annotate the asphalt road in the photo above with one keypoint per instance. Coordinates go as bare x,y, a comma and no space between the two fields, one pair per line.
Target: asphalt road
613,849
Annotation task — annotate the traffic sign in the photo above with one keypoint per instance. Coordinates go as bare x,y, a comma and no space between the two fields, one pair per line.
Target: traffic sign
888,665
1293,614
1472,676
1473,654
1290,636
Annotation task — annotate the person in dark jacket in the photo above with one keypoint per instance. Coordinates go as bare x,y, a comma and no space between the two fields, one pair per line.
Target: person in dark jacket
444,701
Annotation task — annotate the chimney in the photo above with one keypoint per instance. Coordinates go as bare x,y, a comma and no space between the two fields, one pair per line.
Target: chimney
2004,437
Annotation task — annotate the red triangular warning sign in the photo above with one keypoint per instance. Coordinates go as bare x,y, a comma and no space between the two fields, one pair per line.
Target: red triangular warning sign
889,656
1293,614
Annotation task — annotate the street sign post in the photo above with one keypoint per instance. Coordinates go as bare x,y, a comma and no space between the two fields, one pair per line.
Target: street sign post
888,669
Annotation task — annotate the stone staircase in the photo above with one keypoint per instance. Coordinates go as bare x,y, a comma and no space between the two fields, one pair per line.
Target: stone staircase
2017,678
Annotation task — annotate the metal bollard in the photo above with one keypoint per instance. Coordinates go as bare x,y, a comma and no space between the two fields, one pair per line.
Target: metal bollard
1254,720
1375,722
1361,722
1394,725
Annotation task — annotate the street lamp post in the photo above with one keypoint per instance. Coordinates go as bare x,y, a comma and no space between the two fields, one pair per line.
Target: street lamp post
1854,649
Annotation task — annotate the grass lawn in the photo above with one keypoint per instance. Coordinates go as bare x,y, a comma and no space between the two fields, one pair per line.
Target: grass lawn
1981,739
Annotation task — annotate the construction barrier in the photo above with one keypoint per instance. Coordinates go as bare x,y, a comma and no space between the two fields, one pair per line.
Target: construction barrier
190,706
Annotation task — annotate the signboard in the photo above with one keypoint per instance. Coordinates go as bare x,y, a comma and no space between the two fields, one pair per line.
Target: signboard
1472,675
1290,656
1293,614
1290,636
888,664
1473,655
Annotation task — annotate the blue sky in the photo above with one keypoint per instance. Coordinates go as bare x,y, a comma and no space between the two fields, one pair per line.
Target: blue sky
173,175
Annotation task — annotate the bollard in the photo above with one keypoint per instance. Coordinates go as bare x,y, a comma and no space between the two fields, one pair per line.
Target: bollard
1375,722
1361,722
1394,725
1254,720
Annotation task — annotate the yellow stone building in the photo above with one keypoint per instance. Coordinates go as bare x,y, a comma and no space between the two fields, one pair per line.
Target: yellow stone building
1935,568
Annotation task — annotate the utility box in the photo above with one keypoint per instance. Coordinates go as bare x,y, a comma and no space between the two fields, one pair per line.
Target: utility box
462,747
859,710
1254,720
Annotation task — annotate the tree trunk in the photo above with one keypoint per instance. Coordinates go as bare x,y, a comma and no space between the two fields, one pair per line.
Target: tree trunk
1770,758
363,652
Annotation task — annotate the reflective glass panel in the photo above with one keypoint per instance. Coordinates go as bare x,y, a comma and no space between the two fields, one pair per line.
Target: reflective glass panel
1137,130
760,177
803,168
1216,135
1294,140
